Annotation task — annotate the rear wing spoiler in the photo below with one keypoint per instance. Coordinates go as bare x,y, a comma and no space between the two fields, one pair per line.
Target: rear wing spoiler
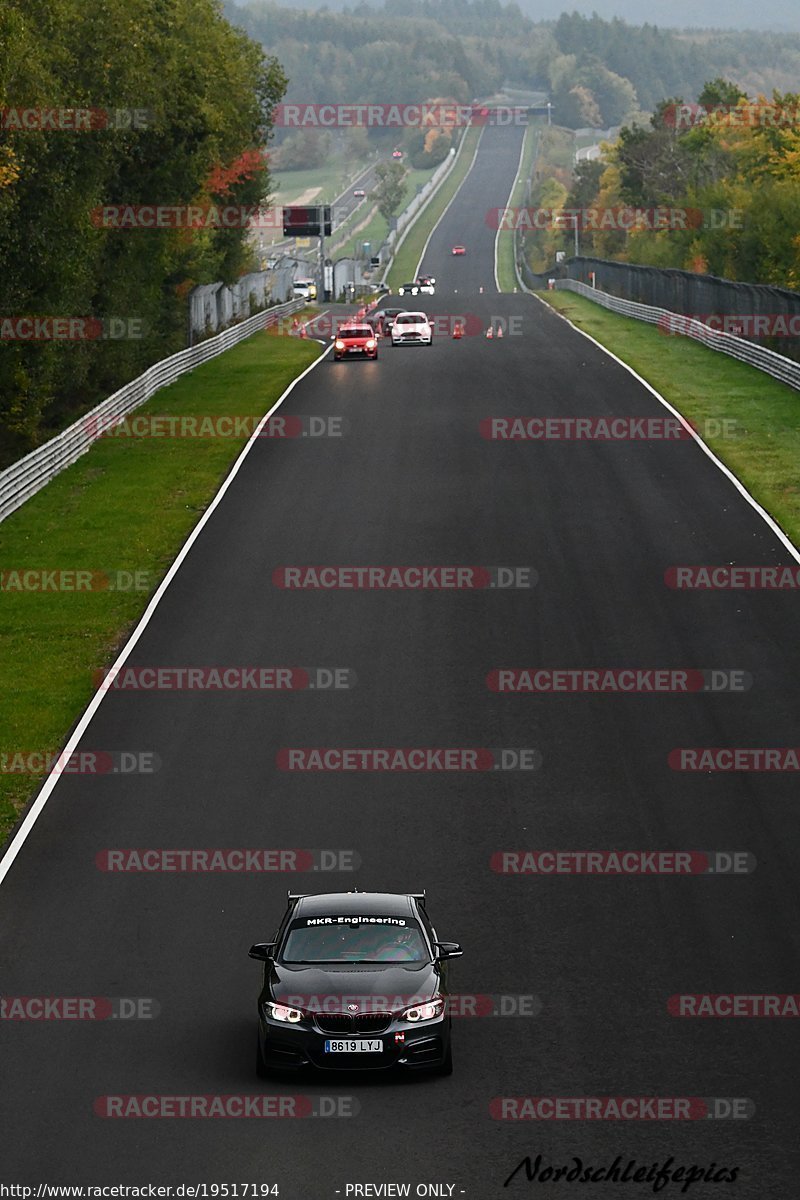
293,897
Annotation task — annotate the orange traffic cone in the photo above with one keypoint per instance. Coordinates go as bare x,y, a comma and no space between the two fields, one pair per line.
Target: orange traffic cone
490,332
303,331
458,331
499,330
295,325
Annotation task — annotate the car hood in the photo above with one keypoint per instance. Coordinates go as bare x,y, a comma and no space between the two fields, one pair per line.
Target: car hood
375,988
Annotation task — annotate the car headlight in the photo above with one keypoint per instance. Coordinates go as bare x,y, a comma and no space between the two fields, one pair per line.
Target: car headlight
282,1012
338,345
425,1012
371,344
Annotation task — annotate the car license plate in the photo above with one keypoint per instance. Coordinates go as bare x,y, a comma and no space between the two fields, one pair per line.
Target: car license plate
355,349
353,1046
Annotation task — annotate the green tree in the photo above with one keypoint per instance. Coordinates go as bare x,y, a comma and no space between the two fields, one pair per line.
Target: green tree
208,92
389,191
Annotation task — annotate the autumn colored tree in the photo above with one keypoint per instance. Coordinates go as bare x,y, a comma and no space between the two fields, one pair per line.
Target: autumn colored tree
204,93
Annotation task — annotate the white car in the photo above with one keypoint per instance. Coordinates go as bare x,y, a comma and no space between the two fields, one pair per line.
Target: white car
304,289
411,328
426,285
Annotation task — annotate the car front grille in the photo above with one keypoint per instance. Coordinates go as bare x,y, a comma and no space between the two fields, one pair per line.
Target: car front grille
347,1025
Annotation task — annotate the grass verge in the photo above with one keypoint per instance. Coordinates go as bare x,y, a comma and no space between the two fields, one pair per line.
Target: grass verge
407,257
760,443
127,506
332,179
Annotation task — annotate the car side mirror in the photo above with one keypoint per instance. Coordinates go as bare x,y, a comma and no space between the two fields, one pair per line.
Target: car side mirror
448,950
262,951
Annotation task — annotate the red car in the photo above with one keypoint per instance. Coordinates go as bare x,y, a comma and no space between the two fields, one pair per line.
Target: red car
397,154
459,250
355,339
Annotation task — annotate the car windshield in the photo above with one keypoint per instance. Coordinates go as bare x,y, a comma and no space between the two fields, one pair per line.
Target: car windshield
355,939
357,331
411,319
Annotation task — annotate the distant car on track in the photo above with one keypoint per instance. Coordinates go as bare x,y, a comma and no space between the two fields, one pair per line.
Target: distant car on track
397,154
355,981
412,328
408,289
304,289
353,339
359,193
459,250
388,317
426,285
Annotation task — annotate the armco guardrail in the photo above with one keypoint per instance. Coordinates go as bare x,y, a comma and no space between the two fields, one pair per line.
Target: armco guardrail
774,364
29,475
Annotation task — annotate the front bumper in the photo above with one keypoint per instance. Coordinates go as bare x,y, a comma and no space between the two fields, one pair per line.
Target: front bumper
293,1047
356,352
410,339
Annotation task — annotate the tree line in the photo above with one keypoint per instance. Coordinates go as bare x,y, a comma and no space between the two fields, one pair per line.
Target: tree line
596,72
728,167
177,101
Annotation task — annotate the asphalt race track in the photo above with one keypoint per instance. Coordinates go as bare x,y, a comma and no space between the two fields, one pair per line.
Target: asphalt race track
411,481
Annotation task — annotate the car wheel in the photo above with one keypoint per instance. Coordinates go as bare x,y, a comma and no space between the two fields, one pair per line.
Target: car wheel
446,1067
262,1070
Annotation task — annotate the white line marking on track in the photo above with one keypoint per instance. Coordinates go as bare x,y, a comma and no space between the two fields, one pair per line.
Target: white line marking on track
737,483
508,205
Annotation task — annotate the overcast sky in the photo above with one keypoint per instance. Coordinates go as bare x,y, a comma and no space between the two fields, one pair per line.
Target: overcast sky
721,14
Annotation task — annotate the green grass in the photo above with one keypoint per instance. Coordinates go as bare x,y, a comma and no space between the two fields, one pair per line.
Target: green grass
333,179
129,504
506,275
761,446
407,257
